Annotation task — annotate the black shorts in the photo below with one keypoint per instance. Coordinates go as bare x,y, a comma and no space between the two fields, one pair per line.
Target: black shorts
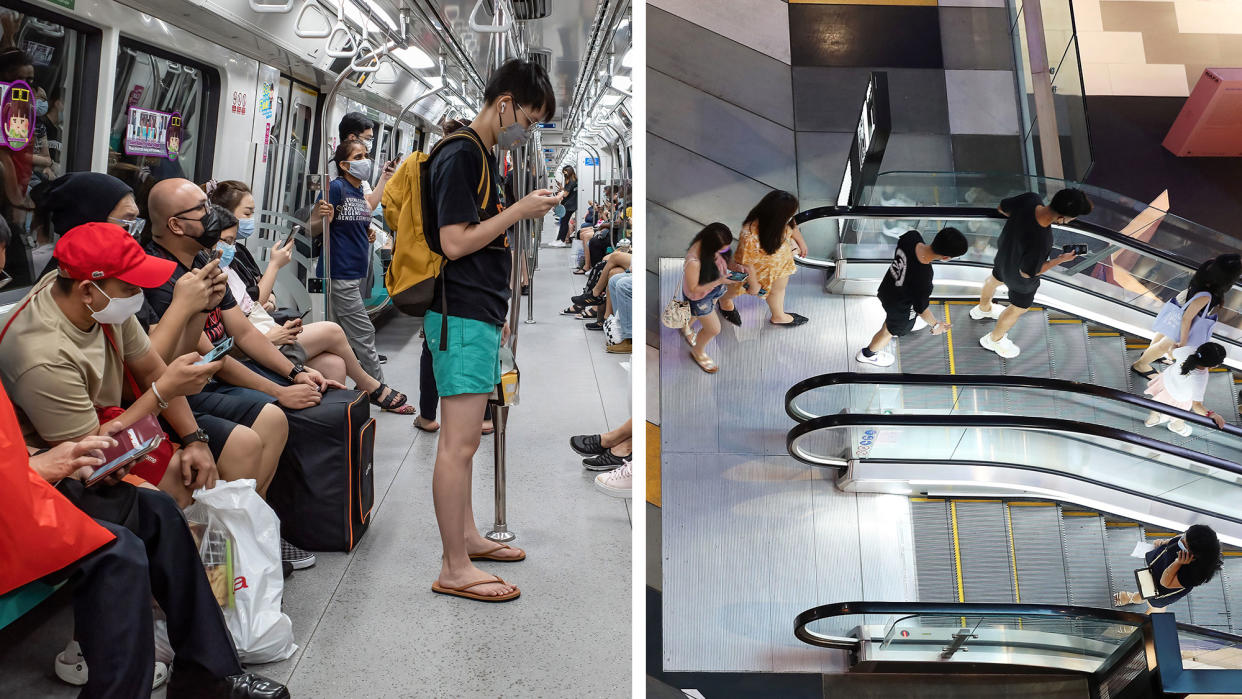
1021,290
899,317
218,414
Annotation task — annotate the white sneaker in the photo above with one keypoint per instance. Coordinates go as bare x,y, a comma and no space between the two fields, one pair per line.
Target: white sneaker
617,483
1004,346
977,313
71,668
880,358
919,324
1184,430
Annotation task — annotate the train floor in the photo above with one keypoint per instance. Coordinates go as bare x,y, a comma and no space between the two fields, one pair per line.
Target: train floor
367,623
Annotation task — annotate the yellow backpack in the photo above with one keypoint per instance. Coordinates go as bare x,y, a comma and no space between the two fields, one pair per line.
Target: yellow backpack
408,209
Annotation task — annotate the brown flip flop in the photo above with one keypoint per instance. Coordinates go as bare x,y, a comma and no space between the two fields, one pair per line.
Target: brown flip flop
487,555
461,591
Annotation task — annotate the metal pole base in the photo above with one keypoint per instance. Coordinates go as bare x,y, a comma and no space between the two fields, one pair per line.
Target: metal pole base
502,535
529,321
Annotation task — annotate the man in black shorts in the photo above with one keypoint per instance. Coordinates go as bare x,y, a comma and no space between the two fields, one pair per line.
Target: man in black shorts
1022,257
906,290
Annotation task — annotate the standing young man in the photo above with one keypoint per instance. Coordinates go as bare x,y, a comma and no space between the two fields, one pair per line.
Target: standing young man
1022,257
906,290
464,329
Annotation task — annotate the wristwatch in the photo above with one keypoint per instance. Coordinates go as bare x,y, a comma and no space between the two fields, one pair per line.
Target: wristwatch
199,435
297,369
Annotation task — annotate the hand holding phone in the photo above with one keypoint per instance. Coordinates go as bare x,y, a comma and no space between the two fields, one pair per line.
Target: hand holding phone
735,276
216,352
1074,249
133,443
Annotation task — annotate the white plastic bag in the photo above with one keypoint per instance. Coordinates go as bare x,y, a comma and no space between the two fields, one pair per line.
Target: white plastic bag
261,632
578,255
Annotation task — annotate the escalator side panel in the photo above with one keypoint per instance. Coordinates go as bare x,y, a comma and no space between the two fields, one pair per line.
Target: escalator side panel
1085,566
1119,542
1208,606
1231,576
1040,560
933,550
987,570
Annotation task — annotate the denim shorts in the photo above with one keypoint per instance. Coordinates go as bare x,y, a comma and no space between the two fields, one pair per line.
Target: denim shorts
705,305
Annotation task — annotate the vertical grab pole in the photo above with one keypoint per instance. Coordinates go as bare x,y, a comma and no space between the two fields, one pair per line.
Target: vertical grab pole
532,230
500,412
326,254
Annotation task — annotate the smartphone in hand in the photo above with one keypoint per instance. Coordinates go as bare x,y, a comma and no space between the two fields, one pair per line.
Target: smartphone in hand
216,352
1076,249
738,276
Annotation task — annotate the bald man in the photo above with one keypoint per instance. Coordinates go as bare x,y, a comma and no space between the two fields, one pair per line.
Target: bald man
186,228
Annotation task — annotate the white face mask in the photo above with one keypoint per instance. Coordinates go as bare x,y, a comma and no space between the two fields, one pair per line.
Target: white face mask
118,310
360,168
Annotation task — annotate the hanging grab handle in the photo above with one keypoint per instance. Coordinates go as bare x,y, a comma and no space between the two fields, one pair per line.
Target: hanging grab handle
376,55
337,29
256,6
488,28
312,33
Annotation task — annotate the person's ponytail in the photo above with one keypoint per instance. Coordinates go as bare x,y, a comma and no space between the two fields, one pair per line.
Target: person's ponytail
1206,356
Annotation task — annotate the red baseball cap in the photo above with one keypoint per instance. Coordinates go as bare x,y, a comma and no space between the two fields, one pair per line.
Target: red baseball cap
95,251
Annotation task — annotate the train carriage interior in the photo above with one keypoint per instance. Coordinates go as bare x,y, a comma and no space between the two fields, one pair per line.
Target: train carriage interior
957,523
253,91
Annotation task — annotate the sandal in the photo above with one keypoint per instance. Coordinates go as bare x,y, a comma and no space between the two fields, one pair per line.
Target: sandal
461,591
587,300
706,364
732,316
1117,599
589,314
690,336
488,430
579,271
490,555
393,403
572,310
1145,374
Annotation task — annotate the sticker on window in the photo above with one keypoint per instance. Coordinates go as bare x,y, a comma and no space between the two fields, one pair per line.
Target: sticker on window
17,109
40,54
151,133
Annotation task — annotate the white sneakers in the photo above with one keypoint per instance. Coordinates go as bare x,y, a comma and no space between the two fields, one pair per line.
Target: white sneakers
919,324
880,358
977,313
71,668
618,483
1004,346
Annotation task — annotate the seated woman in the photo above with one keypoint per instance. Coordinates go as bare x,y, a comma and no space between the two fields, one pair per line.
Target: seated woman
595,240
322,345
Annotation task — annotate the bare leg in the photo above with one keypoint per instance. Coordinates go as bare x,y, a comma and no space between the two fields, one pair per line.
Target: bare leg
616,260
328,364
1008,317
615,437
990,285
329,337
733,291
173,483
776,301
459,440
1159,345
880,340
710,329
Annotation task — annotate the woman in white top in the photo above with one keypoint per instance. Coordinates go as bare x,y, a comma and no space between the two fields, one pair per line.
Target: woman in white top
323,344
1183,385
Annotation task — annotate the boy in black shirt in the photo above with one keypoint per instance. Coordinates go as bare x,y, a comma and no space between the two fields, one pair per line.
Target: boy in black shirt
1021,257
466,324
906,290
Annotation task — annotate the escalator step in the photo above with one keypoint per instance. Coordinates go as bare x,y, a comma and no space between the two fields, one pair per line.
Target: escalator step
933,550
924,353
1107,363
1119,541
983,541
1231,577
1040,560
1067,351
1220,395
970,358
1209,606
1085,559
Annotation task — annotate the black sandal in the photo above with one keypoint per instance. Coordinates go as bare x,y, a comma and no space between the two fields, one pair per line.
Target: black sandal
572,310
1145,374
392,404
732,316
588,314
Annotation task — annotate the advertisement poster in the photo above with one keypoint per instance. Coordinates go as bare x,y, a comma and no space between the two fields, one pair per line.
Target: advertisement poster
265,100
17,112
152,133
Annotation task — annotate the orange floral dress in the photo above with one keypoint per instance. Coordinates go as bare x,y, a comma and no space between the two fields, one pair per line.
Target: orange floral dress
767,269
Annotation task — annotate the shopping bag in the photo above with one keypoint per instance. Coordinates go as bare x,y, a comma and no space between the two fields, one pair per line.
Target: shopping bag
239,540
1169,321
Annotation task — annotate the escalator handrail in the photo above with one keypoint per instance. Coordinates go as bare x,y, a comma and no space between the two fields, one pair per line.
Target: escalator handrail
1036,382
1063,474
987,609
1046,424
970,212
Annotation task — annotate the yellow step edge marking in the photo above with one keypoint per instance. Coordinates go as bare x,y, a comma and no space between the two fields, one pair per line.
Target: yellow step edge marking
1129,346
1120,524
1080,514
653,464
948,334
957,552
974,500
1162,535
927,499
1218,369
1064,320
1032,504
963,303
1102,334
1013,557
1231,553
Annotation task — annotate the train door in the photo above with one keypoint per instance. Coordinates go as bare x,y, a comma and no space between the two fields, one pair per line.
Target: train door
277,150
301,120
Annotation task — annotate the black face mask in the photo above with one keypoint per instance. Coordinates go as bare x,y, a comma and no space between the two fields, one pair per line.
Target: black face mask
213,225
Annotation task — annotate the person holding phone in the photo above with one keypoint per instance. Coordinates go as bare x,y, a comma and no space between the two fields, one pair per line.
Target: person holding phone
905,292
1177,566
704,281
570,202
767,245
1022,258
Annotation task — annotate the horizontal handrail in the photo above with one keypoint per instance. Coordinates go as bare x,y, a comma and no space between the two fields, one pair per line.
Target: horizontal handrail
1052,611
1036,382
1043,424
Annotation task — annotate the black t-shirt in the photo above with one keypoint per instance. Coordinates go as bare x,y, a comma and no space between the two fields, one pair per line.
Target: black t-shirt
571,198
908,281
160,298
1024,245
477,285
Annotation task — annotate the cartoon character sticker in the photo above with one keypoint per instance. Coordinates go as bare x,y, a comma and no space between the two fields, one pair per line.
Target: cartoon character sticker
173,142
18,115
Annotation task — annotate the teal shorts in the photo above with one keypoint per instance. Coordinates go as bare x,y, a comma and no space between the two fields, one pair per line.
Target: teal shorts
471,362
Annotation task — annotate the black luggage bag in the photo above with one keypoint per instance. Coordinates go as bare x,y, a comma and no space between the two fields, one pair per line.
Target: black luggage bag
324,488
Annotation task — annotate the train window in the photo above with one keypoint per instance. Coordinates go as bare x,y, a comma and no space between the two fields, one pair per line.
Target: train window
47,57
159,108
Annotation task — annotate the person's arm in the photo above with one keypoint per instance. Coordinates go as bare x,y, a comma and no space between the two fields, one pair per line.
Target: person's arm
461,239
1169,580
281,256
1059,259
178,328
691,283
377,195
256,346
1192,309
801,242
198,466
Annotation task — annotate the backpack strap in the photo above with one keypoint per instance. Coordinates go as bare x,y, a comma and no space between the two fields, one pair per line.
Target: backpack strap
482,191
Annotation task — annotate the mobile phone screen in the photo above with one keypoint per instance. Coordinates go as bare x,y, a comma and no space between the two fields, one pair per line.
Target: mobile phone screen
128,457
291,234
216,352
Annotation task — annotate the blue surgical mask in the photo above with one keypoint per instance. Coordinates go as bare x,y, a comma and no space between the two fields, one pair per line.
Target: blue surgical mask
40,107
226,254
245,228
